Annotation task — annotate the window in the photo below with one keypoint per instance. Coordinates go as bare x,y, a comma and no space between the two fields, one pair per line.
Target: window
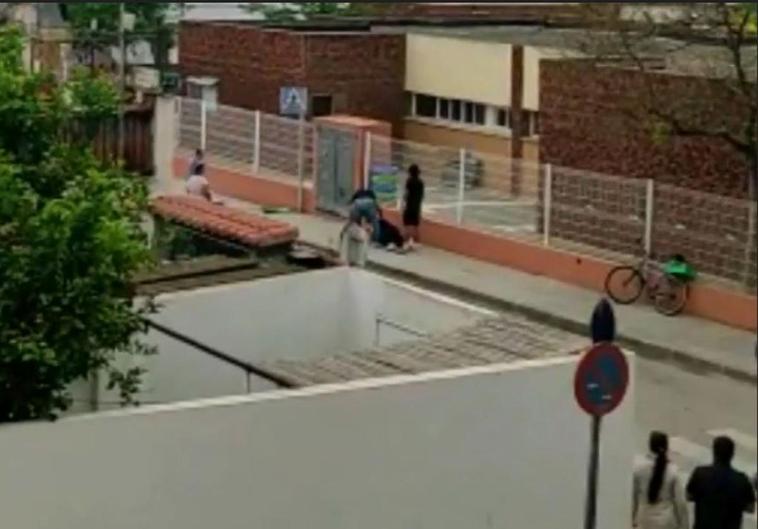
205,89
503,118
426,106
444,109
453,110
322,105
531,123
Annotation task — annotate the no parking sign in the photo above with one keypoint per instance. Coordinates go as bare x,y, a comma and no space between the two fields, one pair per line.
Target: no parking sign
601,380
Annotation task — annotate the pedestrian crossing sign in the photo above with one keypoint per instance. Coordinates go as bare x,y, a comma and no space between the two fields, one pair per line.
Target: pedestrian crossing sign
293,101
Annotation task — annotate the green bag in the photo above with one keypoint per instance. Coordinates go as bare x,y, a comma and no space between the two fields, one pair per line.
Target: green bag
680,269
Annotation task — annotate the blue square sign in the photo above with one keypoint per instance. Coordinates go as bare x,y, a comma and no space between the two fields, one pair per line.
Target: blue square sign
293,101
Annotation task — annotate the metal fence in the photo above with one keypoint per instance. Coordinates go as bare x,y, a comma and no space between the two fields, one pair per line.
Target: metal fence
247,141
611,217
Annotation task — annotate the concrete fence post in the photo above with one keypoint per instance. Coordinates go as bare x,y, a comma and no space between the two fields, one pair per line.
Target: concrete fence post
649,215
461,186
367,159
301,162
203,125
257,142
547,204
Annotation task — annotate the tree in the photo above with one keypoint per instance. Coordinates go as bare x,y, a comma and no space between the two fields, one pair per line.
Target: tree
70,240
719,100
293,12
95,26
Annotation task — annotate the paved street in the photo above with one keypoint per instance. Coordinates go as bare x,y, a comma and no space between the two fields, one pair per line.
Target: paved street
693,408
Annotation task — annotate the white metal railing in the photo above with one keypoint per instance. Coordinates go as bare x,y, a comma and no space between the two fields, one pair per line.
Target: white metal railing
247,140
612,217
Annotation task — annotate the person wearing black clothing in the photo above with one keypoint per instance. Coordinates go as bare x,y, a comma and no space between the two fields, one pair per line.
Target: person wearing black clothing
414,197
721,494
389,236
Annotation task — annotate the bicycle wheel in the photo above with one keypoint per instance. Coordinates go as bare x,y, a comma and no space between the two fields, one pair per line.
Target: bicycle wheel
670,295
624,284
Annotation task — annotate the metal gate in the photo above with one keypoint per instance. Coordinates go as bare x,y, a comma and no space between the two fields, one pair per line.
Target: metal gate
336,164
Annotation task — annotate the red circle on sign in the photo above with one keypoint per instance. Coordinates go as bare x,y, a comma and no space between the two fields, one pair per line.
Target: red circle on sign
601,380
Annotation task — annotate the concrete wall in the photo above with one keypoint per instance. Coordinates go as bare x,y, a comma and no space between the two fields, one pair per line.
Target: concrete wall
493,447
335,312
423,131
458,68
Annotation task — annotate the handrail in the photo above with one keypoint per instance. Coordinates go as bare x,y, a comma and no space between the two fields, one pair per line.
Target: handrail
249,368
400,327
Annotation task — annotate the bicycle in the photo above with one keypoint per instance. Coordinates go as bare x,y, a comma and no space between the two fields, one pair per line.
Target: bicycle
667,286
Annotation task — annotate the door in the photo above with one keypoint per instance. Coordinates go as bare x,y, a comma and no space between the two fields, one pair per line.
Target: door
336,163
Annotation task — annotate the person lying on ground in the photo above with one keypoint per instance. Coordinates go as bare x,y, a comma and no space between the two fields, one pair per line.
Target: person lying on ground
389,236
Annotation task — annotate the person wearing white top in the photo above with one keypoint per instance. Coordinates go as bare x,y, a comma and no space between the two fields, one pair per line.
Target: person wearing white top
659,501
197,185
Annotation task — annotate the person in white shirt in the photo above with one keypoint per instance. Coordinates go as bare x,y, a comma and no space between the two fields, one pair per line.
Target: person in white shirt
197,185
659,501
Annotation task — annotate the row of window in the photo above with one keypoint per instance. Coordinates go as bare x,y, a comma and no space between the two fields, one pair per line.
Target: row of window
470,113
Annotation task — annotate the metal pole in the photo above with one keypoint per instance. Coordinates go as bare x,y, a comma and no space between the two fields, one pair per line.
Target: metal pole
203,124
367,160
547,203
257,144
461,186
300,161
649,213
590,514
122,80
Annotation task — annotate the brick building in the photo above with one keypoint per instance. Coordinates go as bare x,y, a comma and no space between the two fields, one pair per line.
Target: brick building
586,125
351,71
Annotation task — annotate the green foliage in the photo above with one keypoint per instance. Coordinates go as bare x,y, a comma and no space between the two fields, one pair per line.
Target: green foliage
151,24
70,240
291,12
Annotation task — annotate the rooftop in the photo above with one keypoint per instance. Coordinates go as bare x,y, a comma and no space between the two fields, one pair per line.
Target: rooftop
233,225
498,340
691,58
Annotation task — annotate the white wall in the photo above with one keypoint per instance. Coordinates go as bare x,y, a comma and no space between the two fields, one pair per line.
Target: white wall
295,317
458,68
497,447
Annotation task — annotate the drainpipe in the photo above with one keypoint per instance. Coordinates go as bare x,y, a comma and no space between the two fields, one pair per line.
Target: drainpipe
517,116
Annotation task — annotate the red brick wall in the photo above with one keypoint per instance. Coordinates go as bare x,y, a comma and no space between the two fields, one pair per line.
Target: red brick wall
364,72
251,64
583,127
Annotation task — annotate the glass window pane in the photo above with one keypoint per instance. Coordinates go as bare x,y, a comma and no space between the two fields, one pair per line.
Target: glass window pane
455,113
426,106
444,108
479,111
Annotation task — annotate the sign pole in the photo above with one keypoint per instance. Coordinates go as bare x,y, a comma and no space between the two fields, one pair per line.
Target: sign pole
590,512
600,384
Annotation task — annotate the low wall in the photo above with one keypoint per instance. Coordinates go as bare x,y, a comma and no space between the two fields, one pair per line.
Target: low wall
482,448
253,188
706,301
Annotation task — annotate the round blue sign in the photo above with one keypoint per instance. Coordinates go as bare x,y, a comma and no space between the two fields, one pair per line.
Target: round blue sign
601,379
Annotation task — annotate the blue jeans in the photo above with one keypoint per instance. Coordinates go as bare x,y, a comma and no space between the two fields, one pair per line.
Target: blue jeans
365,209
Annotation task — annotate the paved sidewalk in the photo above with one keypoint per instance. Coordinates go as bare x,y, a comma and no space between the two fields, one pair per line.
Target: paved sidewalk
691,342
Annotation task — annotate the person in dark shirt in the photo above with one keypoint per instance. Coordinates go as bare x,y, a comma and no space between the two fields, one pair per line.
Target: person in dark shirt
414,196
389,236
721,494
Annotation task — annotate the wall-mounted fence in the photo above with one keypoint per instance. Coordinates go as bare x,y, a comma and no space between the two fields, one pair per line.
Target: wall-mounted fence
248,141
611,217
